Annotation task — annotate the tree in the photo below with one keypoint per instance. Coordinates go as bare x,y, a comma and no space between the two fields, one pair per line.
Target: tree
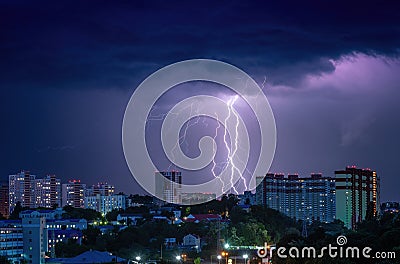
4,260
197,260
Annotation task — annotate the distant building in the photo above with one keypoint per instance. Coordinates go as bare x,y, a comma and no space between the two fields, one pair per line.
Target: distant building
31,192
192,242
168,186
34,239
4,196
197,198
11,240
302,198
197,218
79,224
63,235
73,194
357,195
247,198
48,214
104,189
390,207
129,219
105,203
22,189
48,192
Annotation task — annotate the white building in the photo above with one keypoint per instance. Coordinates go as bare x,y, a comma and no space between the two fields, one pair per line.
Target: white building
168,186
133,218
48,214
22,189
48,192
105,203
192,242
32,192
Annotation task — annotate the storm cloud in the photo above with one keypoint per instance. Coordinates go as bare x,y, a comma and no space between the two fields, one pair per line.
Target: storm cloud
68,68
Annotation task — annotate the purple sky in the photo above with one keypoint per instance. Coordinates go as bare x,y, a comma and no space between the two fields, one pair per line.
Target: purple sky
68,69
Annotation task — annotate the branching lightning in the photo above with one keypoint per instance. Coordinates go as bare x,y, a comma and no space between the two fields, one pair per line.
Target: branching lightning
231,145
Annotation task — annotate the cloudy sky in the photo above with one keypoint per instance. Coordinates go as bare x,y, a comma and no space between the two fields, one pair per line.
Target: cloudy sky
331,71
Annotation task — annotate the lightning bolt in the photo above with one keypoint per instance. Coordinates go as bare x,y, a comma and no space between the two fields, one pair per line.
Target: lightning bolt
231,147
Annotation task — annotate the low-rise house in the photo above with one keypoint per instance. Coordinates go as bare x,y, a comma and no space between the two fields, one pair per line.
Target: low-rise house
192,242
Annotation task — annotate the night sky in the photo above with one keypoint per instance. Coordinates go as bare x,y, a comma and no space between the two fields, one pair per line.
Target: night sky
331,72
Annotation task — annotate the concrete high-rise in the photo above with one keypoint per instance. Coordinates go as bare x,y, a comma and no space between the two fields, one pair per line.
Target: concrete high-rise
48,192
104,189
22,189
168,186
306,198
357,195
4,200
73,194
34,239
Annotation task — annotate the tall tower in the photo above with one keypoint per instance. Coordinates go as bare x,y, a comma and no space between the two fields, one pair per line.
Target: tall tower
4,203
22,189
357,195
48,191
73,194
35,238
168,186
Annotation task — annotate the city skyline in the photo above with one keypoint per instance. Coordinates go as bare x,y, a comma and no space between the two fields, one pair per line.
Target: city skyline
331,79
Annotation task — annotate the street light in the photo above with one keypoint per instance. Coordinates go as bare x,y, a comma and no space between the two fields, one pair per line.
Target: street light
178,258
225,254
138,258
245,256
219,259
226,246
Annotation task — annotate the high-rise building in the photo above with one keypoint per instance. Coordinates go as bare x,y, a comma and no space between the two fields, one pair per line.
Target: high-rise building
168,186
31,192
105,203
4,196
306,198
48,192
34,239
22,189
357,195
73,194
100,188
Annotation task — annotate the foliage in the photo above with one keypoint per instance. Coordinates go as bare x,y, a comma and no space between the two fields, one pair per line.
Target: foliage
69,249
88,214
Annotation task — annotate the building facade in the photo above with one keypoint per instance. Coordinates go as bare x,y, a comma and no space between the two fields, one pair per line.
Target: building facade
11,240
105,203
357,195
168,186
31,192
48,192
302,198
4,196
100,188
34,239
22,189
73,194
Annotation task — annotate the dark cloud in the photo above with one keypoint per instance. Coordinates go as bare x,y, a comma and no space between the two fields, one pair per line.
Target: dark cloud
67,69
